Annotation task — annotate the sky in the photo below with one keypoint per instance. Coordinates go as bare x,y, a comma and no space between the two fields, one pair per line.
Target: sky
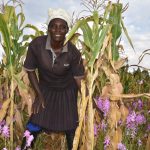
136,19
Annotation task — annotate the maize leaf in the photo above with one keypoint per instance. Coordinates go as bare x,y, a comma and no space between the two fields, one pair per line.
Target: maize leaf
73,30
6,36
97,46
4,108
87,34
126,33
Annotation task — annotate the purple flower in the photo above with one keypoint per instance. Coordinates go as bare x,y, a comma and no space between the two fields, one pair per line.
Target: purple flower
121,146
120,123
140,119
5,131
26,134
131,124
95,130
4,148
139,142
148,127
18,148
29,140
103,126
140,104
131,120
134,104
100,103
132,132
2,123
103,105
106,142
131,117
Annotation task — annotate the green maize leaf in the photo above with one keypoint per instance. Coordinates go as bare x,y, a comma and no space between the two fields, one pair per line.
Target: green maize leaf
87,34
41,32
31,26
22,18
115,17
6,36
95,26
22,51
96,18
73,30
115,14
85,50
97,47
107,10
115,52
116,32
9,13
89,18
14,29
126,33
26,37
74,38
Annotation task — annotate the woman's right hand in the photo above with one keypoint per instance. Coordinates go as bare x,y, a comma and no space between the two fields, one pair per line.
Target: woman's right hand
38,104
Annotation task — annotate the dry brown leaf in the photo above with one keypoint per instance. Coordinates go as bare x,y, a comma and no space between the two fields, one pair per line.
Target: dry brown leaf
116,138
116,89
18,118
114,78
26,99
109,48
124,112
25,79
81,116
107,70
1,93
8,120
97,117
4,108
112,64
148,143
106,91
118,64
114,115
127,96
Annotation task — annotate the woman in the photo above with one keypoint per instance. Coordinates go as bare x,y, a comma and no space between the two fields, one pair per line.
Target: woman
60,71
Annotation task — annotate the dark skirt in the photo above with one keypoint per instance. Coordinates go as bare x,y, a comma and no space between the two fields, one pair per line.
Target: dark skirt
60,112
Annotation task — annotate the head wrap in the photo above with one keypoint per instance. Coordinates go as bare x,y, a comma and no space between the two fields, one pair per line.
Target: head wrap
59,13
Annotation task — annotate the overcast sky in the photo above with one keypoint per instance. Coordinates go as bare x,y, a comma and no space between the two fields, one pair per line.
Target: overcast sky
136,18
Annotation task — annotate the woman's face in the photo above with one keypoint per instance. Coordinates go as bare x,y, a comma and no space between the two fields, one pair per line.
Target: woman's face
58,29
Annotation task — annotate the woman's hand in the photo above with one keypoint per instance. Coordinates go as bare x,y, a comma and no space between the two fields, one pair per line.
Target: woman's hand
38,103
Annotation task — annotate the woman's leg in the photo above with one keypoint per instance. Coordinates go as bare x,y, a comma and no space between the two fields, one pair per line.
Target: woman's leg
70,136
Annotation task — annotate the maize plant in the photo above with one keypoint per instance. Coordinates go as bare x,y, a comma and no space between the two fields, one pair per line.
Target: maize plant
14,43
100,48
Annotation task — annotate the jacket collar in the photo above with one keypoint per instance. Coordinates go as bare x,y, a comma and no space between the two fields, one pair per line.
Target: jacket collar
48,45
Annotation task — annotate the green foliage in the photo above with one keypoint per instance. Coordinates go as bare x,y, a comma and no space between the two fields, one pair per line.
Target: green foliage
136,82
115,19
